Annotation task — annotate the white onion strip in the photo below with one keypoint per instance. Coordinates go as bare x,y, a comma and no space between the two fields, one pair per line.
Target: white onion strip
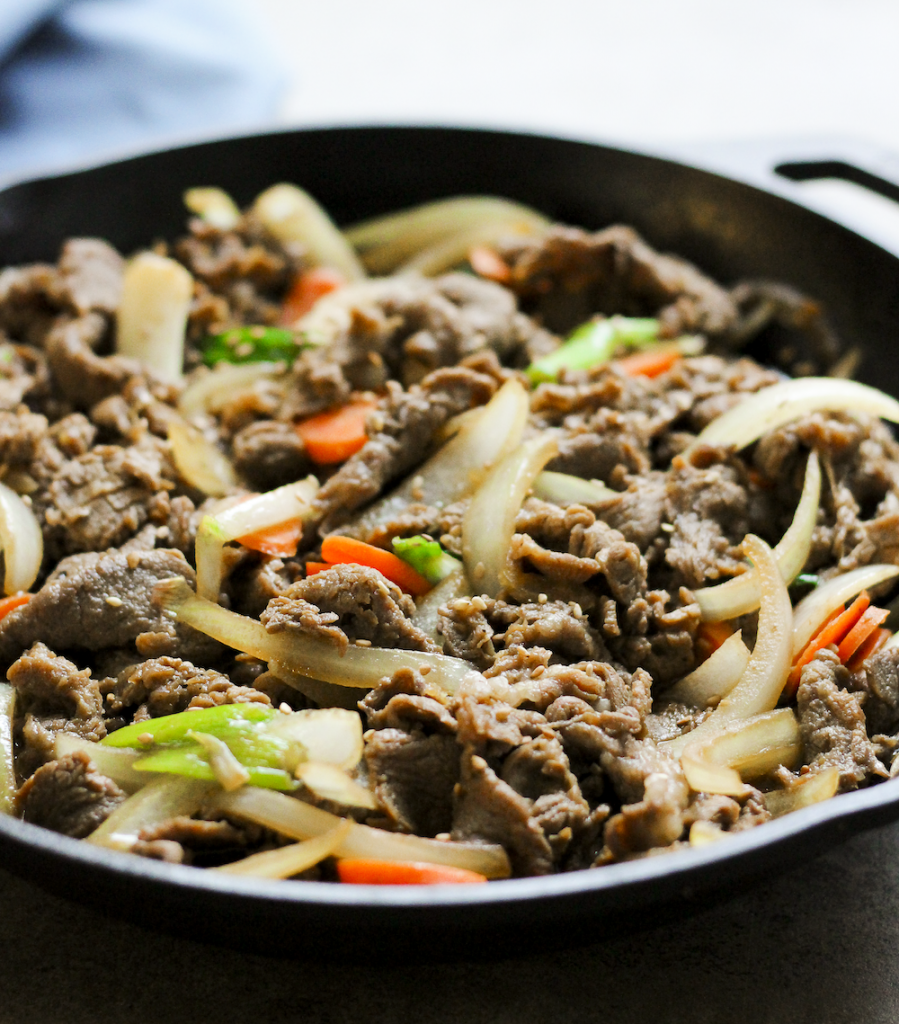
214,205
113,762
286,861
152,317
489,521
774,406
199,461
21,540
282,505
291,654
809,789
328,782
815,608
460,465
705,686
211,391
166,797
449,252
292,817
741,594
754,746
769,664
565,489
7,750
327,735
293,216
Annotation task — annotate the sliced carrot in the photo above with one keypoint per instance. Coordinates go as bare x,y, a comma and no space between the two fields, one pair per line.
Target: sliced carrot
341,550
313,567
335,435
868,647
280,541
9,604
364,871
711,636
872,618
832,632
488,263
650,363
307,288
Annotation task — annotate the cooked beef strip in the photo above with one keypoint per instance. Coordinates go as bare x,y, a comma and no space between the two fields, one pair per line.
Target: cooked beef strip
69,796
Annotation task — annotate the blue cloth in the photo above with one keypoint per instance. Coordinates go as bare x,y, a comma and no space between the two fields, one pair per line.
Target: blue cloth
85,80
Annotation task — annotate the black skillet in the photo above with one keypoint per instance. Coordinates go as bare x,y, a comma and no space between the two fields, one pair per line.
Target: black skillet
732,230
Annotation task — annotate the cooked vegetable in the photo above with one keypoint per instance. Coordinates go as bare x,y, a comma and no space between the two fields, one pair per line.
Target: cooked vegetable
256,344
337,550
214,205
565,489
706,777
7,748
202,464
768,665
360,871
301,821
334,436
778,404
116,763
741,594
279,541
427,608
293,657
211,391
652,362
152,317
805,791
22,544
715,677
160,800
489,520
329,782
286,861
753,746
294,217
308,287
426,557
385,243
593,344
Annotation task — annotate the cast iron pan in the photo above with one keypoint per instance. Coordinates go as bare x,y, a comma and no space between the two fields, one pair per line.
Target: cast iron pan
732,230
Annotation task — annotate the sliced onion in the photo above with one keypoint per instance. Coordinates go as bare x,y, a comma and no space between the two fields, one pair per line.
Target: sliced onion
328,782
460,466
214,205
115,763
754,746
282,505
778,404
715,677
741,594
769,664
199,461
704,777
387,242
292,656
816,608
809,789
170,796
702,833
565,489
328,735
7,749
152,317
292,215
21,540
449,252
211,391
451,588
489,521
287,861
292,817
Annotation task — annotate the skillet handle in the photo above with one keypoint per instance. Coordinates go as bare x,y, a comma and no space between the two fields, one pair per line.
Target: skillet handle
847,180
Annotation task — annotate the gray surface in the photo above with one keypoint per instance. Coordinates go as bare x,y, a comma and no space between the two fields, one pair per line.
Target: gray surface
814,946
817,945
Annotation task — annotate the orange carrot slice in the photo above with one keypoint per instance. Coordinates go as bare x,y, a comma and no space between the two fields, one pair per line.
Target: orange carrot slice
868,647
364,871
651,363
279,541
313,567
872,618
832,632
335,435
9,604
307,288
341,550
488,263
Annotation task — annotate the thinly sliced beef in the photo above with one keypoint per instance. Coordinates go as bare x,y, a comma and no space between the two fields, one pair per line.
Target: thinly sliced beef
69,796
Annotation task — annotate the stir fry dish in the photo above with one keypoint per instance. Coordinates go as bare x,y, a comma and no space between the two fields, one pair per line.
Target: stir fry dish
453,546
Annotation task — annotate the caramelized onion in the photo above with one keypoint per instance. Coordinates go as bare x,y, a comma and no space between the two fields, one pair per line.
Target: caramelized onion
213,205
805,791
769,664
21,540
328,782
772,407
741,594
754,746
